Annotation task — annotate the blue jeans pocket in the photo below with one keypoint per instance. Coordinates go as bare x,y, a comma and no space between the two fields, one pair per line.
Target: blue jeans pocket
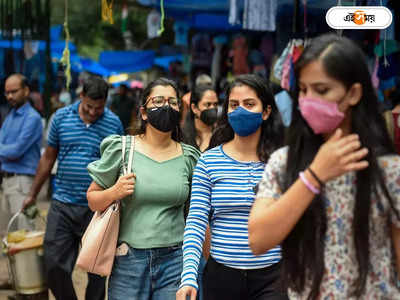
146,273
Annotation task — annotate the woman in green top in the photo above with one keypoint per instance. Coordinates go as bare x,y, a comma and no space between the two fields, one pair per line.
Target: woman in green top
148,262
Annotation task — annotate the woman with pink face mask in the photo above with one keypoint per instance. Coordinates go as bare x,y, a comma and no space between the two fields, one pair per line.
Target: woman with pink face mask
331,198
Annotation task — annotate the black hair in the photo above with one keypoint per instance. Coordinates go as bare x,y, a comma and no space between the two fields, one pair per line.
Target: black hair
189,129
177,134
303,249
95,88
124,88
272,132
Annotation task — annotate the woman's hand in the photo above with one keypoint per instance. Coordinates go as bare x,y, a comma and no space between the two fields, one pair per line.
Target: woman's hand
185,291
124,186
339,155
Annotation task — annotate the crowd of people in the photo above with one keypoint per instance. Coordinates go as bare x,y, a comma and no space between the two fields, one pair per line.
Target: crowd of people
222,201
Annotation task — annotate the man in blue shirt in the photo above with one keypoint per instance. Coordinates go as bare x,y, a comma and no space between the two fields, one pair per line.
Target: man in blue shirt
20,139
76,132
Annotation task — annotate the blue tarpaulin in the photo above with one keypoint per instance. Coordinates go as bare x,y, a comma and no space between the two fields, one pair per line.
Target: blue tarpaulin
164,61
57,46
55,32
205,20
200,14
212,21
92,66
127,61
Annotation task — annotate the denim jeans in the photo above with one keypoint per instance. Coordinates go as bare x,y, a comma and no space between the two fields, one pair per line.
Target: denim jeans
146,274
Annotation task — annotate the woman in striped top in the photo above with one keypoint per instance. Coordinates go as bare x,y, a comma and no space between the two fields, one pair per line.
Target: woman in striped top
223,188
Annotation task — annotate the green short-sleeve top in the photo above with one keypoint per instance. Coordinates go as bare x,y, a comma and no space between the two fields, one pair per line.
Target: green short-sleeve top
154,215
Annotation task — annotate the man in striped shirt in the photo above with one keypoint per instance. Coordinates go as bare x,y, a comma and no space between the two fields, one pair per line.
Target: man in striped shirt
76,132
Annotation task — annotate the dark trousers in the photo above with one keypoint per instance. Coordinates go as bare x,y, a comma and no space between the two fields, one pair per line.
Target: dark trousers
66,224
221,282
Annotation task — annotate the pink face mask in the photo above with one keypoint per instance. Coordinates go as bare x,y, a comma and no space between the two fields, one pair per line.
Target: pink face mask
321,115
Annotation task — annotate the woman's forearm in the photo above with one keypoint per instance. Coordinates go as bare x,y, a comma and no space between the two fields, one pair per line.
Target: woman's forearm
271,220
98,198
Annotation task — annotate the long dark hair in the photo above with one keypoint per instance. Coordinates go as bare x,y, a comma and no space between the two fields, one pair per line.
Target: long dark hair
177,131
272,132
189,129
303,249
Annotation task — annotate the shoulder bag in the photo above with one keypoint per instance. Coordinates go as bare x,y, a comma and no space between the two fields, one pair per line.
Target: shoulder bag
99,241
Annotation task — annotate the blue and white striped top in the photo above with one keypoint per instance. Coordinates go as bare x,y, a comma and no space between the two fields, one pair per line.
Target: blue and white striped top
223,189
78,144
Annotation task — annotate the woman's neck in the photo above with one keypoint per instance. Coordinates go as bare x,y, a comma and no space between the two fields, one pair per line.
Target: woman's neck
203,134
244,148
201,128
157,139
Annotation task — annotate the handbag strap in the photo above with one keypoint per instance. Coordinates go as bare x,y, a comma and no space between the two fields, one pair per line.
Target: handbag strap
131,152
124,170
127,169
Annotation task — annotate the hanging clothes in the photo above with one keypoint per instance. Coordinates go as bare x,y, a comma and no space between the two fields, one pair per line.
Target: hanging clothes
292,77
267,49
392,70
272,78
374,75
31,48
153,24
284,67
387,75
181,33
219,42
278,66
284,103
240,51
260,15
256,59
392,46
285,81
201,50
297,51
234,12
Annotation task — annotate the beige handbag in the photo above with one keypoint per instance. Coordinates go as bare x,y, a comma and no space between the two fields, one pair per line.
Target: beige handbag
99,241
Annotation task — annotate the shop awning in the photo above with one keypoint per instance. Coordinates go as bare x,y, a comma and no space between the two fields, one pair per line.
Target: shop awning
127,61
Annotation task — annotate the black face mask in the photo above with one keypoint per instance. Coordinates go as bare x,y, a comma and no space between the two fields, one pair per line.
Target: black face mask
209,116
163,118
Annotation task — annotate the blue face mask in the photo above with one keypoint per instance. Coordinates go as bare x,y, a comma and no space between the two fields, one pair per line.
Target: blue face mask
244,122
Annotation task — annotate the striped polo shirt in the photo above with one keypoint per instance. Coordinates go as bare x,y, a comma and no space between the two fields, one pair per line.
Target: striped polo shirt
222,194
78,144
